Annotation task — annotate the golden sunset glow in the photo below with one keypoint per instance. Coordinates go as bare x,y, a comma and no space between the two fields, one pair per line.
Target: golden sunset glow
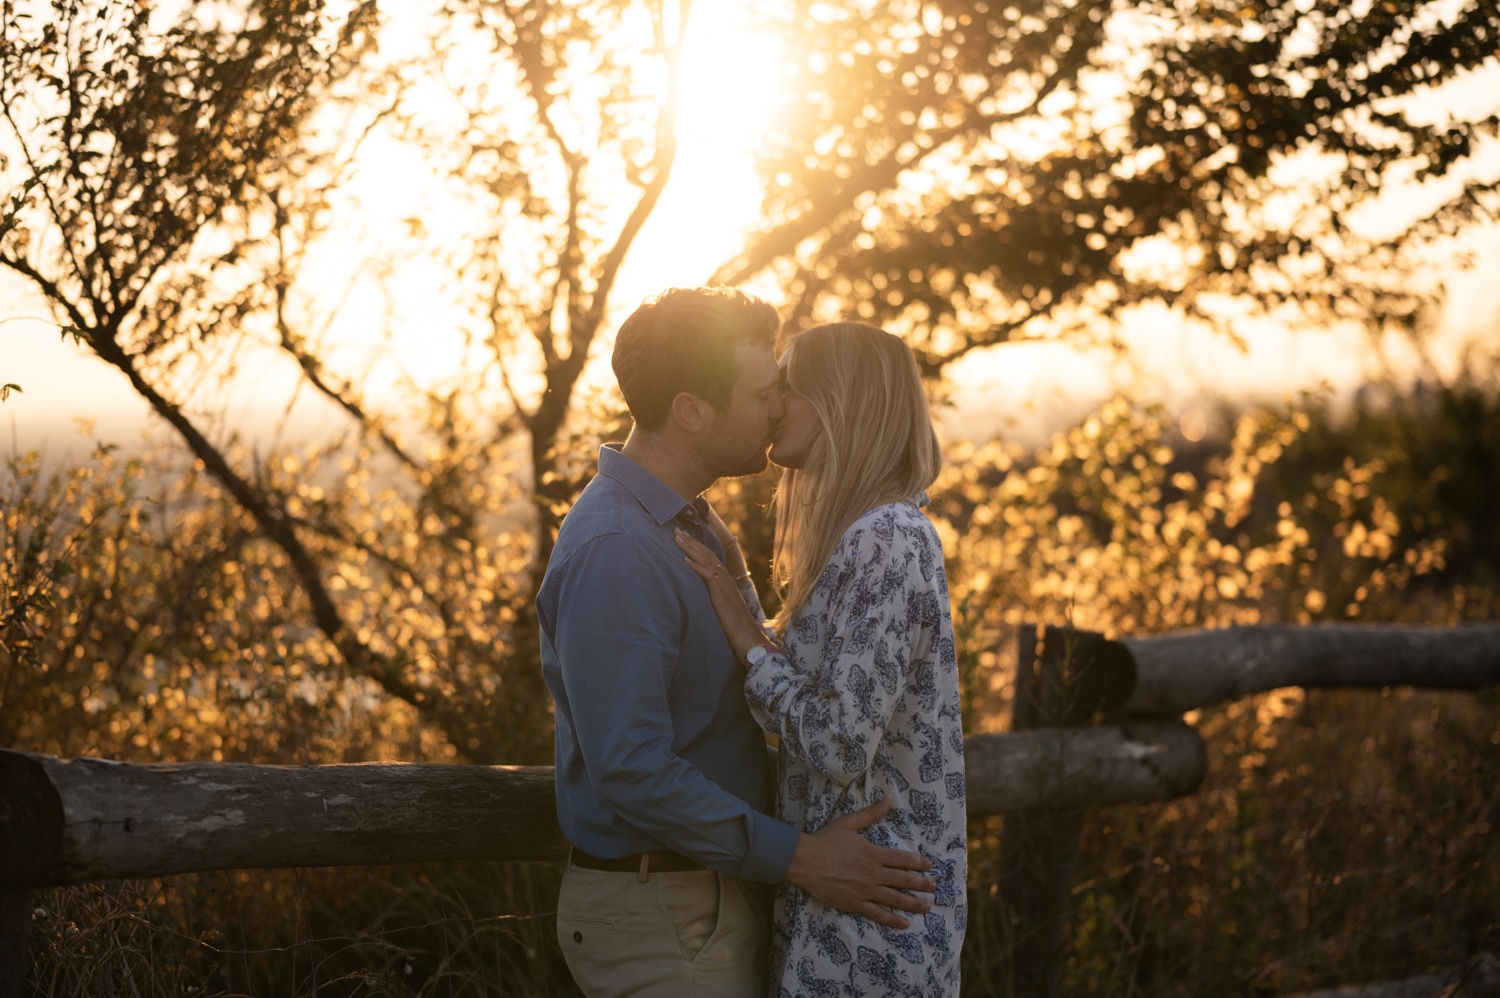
307,314
728,89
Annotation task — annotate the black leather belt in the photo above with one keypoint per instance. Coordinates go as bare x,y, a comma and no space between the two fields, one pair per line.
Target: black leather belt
665,861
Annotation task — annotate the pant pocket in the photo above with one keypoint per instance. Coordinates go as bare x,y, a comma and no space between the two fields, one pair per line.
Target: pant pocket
691,903
579,908
577,930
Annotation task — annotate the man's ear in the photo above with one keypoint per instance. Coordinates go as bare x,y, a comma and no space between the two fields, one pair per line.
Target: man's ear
690,412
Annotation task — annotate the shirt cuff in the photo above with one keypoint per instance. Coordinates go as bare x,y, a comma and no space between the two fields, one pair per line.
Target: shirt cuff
772,845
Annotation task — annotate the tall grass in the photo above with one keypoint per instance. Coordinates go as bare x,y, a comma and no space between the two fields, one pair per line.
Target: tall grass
1350,836
421,930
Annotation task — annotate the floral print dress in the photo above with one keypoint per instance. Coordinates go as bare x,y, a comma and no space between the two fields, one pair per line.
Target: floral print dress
864,701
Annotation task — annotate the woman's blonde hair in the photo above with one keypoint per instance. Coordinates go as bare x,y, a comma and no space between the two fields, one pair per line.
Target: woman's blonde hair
878,446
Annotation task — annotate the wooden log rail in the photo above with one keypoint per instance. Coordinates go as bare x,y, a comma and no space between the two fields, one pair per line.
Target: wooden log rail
84,820
68,821
1071,678
1175,673
74,821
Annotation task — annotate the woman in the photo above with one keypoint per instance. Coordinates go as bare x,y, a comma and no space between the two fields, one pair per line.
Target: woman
860,684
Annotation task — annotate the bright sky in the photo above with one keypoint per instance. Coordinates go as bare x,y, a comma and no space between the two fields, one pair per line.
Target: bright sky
1023,390
711,199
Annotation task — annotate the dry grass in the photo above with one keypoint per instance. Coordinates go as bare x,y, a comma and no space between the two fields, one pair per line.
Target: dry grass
1352,839
454,930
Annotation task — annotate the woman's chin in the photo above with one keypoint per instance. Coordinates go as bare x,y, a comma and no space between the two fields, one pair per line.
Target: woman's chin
782,459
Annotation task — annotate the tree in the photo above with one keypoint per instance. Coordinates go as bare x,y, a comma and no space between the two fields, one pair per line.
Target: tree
149,143
571,182
977,172
190,191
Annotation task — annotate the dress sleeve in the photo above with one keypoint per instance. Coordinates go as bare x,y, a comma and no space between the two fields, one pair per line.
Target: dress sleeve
872,613
752,600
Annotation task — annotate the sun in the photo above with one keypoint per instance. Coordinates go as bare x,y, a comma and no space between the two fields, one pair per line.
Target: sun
728,72
727,95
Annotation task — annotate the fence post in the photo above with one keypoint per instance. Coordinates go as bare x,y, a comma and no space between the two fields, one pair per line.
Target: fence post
1064,682
15,927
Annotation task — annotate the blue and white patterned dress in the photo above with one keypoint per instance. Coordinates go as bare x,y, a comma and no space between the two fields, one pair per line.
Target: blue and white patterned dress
865,703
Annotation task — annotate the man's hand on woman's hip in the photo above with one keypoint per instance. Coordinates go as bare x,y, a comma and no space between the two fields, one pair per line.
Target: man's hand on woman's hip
841,868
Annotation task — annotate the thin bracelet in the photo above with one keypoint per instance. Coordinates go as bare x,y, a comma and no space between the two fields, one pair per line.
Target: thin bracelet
744,576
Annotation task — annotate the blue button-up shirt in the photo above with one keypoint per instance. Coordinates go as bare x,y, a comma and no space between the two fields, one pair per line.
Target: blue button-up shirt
656,748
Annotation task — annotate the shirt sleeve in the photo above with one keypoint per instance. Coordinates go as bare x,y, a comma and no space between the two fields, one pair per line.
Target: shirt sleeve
619,648
833,712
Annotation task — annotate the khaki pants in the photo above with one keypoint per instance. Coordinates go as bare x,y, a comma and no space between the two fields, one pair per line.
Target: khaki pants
692,933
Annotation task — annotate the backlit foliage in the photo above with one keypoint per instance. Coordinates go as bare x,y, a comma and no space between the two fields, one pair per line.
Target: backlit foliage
975,172
965,173
1106,530
146,621
147,618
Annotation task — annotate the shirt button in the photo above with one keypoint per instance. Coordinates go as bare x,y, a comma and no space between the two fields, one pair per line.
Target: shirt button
578,937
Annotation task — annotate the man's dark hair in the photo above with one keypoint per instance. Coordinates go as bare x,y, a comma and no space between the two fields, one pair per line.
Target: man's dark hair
683,340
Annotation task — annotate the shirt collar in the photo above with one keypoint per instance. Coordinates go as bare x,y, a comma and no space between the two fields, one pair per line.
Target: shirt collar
656,497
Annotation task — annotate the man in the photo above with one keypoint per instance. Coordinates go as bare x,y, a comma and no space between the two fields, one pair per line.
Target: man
662,776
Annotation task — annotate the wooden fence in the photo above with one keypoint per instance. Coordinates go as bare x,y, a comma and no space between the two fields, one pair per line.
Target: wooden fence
1096,723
